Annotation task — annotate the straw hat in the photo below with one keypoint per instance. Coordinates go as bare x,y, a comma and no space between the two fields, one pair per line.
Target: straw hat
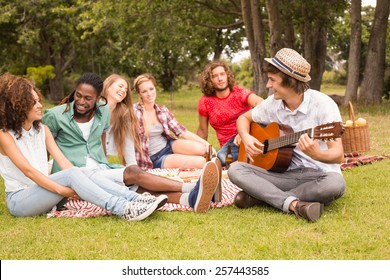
291,63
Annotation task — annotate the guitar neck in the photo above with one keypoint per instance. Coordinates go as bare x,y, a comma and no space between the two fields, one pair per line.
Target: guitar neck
287,140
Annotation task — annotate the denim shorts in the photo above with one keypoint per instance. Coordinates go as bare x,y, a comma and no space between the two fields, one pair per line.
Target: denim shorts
159,157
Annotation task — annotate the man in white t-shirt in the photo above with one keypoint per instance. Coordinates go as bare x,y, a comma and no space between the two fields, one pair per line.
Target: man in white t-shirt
313,178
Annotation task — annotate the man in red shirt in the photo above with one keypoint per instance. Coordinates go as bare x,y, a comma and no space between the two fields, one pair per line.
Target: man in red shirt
221,105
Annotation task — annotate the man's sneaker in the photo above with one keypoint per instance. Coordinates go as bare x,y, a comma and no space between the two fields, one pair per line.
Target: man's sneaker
200,197
148,198
310,211
243,200
217,197
137,211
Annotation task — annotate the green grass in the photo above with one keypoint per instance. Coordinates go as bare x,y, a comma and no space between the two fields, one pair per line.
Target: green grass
355,227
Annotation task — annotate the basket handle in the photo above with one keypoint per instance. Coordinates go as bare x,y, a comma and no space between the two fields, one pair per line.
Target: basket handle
351,113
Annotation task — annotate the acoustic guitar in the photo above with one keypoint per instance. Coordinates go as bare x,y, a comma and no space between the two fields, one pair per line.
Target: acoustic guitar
278,143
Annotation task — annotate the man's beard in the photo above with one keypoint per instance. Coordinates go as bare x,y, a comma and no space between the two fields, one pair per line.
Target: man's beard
222,89
77,114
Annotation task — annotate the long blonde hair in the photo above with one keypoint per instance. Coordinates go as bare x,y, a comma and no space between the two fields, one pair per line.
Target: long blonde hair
123,121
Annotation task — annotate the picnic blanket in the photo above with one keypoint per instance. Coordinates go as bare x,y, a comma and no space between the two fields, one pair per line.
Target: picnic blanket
84,209
356,159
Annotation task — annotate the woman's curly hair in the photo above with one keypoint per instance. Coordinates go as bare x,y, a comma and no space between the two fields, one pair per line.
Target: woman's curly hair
16,101
205,78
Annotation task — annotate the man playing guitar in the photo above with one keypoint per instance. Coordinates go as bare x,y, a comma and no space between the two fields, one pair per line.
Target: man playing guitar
313,177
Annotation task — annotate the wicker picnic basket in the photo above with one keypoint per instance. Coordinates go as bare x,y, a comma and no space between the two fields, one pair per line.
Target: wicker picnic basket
355,138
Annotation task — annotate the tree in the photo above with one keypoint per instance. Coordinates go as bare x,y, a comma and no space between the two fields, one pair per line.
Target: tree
275,24
316,17
46,31
311,20
371,89
354,53
280,25
251,14
171,39
222,18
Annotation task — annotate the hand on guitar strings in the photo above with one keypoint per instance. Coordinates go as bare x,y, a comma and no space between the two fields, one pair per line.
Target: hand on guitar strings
309,146
253,147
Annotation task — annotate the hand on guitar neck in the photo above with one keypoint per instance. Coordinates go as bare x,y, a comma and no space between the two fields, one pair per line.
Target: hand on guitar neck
278,140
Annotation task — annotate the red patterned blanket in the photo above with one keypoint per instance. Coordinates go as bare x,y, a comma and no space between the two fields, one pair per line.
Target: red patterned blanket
83,209
355,159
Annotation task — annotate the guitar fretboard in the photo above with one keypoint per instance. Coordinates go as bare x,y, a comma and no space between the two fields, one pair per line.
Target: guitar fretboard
287,140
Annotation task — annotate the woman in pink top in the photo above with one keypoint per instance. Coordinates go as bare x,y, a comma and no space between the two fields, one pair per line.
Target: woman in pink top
223,102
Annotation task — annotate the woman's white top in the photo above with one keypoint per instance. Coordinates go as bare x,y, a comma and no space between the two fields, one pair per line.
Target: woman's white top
32,145
129,152
157,141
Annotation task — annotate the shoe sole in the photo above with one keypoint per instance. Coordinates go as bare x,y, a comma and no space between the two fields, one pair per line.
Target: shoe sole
161,200
207,187
218,192
314,211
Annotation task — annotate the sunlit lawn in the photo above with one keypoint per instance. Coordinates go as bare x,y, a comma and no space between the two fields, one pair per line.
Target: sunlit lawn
355,227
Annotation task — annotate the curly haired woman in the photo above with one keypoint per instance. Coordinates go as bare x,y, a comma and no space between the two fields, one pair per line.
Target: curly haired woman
24,144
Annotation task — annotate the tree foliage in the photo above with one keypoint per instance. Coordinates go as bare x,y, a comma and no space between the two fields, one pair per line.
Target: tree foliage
371,90
171,39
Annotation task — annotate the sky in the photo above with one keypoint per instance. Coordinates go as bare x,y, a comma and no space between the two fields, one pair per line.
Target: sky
244,54
369,3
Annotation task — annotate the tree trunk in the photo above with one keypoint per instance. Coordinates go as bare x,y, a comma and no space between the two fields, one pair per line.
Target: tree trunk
289,32
275,26
167,77
56,86
371,89
61,61
314,46
354,53
218,47
315,43
256,42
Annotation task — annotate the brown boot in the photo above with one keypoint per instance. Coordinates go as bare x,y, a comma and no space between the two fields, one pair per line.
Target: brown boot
244,200
310,211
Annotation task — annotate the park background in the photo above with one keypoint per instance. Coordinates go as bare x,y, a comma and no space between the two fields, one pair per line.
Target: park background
54,42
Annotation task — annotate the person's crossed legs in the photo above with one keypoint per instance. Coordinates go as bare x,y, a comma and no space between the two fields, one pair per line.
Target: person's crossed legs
177,192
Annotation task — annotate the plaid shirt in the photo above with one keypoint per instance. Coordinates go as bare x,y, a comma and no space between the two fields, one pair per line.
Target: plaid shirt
169,123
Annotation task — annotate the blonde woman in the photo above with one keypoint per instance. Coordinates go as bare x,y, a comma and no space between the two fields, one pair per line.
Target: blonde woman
123,140
24,145
156,126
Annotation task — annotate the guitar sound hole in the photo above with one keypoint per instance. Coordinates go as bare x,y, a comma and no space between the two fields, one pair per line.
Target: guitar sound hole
265,148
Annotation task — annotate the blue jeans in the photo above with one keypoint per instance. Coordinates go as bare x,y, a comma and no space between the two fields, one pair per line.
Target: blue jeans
159,157
89,185
222,152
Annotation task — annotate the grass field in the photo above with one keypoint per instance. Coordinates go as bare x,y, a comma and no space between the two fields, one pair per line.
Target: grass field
355,227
